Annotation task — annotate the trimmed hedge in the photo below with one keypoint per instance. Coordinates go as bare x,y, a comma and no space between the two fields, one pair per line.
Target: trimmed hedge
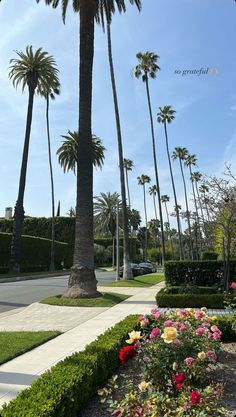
65,389
202,290
205,273
189,300
64,231
36,253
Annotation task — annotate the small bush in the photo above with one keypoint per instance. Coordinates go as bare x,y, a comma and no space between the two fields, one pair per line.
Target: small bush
189,300
209,256
178,289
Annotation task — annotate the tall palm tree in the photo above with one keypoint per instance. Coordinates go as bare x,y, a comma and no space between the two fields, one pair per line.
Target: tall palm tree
128,166
35,71
142,180
82,281
165,199
153,191
148,68
105,212
50,93
68,151
153,226
197,176
181,154
190,161
167,115
203,189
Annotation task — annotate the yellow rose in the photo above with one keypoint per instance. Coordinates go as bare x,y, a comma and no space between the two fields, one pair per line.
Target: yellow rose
143,386
142,324
169,335
133,337
201,356
175,366
204,309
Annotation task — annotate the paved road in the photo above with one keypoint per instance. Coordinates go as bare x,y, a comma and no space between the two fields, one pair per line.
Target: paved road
21,294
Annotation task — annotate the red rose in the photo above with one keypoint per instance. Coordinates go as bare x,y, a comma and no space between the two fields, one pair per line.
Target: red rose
126,353
178,386
195,397
179,378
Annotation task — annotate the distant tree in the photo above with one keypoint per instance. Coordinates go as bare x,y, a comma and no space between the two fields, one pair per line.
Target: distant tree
128,166
165,116
148,68
143,180
35,71
68,152
134,220
165,199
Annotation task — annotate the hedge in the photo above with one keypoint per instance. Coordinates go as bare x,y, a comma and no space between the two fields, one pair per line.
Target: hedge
177,290
189,300
65,389
36,253
64,232
196,272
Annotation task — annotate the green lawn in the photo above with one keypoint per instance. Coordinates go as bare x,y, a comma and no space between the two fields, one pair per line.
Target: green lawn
13,344
141,281
107,300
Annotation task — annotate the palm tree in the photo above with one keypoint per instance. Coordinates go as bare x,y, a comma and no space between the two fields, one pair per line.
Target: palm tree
153,191
142,180
181,154
203,189
128,166
105,211
134,220
197,176
165,199
68,151
50,93
148,68
82,281
153,226
35,71
190,161
167,115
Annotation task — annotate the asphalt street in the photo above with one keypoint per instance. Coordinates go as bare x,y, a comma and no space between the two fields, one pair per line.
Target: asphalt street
21,294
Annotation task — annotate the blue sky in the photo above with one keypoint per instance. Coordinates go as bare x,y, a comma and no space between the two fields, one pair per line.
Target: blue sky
186,34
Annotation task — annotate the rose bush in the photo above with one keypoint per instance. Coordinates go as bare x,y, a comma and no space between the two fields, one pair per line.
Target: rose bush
174,351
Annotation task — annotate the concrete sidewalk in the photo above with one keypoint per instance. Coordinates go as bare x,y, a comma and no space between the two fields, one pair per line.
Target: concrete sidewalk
20,372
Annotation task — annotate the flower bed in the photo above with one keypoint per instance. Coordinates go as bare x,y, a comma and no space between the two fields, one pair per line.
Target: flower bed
174,352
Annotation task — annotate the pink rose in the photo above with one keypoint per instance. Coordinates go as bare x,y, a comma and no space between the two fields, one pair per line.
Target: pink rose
156,313
216,335
206,324
182,312
212,355
176,343
168,323
209,335
189,361
200,330
199,315
156,332
181,327
233,285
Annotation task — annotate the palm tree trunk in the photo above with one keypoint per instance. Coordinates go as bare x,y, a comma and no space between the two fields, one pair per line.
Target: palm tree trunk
175,197
197,223
201,210
52,263
146,232
82,281
187,209
127,185
157,240
171,242
127,271
15,257
156,172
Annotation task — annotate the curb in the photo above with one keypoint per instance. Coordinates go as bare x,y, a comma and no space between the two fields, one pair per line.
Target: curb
32,277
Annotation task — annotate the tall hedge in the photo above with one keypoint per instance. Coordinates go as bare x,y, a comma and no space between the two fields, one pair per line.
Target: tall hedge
196,272
64,231
36,252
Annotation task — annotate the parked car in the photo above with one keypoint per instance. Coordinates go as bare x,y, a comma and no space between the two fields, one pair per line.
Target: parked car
147,267
136,270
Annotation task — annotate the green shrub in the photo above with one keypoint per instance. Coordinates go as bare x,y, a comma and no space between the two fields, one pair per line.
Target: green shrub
65,389
225,325
195,272
176,290
189,300
36,253
209,256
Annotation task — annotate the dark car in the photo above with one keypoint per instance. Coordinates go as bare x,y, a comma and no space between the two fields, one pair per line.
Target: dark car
147,267
136,270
